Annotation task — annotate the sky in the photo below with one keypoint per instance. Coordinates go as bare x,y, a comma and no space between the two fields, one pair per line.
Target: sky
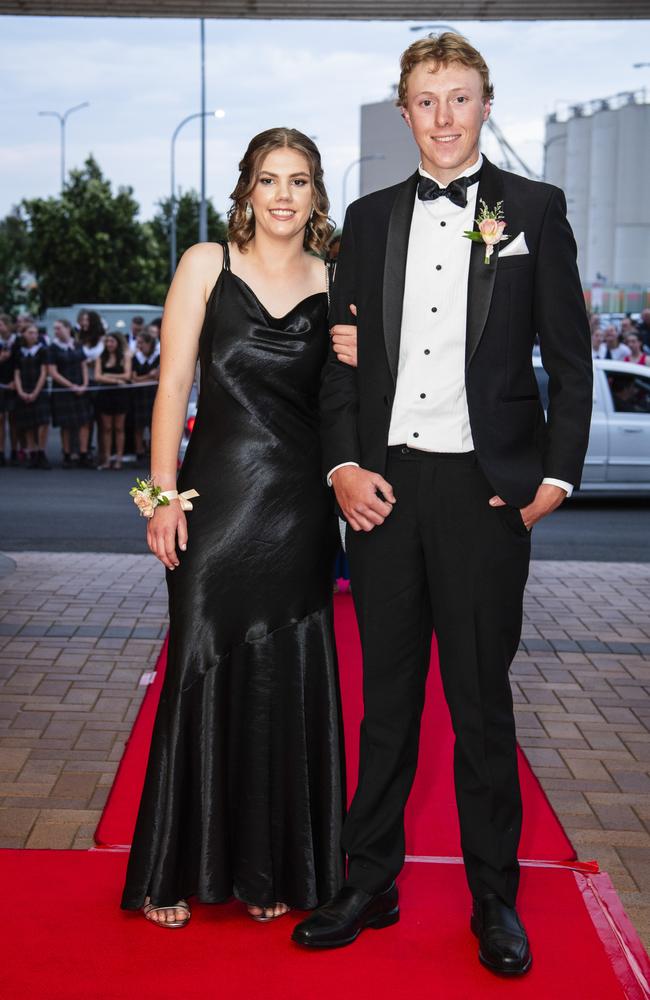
141,77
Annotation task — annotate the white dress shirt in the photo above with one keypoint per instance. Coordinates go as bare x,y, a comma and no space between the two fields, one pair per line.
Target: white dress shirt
430,411
430,408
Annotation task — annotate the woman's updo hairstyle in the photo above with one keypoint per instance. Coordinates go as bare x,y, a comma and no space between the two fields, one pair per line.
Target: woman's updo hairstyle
241,224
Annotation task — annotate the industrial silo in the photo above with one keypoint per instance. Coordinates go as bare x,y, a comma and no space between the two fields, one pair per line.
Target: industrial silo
603,165
632,222
555,151
576,186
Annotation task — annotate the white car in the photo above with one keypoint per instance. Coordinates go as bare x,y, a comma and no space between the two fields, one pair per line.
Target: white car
618,456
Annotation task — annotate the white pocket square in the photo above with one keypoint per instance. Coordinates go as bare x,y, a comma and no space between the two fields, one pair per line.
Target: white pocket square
512,247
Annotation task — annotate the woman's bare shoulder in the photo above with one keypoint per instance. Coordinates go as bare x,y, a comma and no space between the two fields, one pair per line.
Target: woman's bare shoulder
200,266
204,256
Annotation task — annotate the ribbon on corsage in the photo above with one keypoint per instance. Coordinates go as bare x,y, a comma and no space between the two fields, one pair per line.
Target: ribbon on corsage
490,224
147,496
185,498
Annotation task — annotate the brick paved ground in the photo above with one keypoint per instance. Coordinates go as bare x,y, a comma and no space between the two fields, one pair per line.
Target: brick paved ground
77,632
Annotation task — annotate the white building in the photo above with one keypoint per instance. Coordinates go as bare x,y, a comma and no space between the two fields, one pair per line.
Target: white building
600,156
384,133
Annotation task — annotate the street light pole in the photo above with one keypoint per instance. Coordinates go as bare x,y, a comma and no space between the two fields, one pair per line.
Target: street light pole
350,166
172,207
203,208
62,122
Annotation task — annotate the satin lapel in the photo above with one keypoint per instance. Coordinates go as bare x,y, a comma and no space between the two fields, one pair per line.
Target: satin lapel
397,244
480,284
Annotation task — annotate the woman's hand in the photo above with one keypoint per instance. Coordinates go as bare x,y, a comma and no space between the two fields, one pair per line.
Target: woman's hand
167,524
344,341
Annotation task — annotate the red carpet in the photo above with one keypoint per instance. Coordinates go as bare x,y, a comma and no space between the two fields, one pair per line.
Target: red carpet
117,822
431,819
66,939
432,825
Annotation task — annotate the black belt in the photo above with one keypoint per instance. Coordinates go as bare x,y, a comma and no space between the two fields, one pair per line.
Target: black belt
404,451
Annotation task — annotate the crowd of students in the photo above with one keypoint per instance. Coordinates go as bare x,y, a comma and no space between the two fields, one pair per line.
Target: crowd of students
629,341
96,385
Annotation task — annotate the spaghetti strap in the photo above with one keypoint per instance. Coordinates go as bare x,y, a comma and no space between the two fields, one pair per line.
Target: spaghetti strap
226,255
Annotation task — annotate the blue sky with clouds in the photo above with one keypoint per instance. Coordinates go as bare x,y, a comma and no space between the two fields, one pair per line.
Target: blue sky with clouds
141,78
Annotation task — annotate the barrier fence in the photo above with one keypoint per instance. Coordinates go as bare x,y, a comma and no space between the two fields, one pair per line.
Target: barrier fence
97,388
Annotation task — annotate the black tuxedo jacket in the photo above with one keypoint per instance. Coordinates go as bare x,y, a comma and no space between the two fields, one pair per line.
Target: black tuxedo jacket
509,301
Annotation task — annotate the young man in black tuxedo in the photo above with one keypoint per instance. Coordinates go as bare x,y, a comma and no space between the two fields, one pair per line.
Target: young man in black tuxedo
442,461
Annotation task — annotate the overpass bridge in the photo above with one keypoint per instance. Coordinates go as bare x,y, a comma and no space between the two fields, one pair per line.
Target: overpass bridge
364,10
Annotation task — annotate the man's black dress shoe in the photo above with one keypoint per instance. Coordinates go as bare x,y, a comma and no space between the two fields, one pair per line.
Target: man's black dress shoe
341,921
503,945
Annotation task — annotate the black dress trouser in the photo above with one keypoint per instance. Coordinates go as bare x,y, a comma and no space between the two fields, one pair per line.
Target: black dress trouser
444,560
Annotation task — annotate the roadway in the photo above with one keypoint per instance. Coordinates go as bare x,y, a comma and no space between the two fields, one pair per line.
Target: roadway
89,511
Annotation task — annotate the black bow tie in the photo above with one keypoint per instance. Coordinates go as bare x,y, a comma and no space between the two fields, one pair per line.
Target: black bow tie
456,191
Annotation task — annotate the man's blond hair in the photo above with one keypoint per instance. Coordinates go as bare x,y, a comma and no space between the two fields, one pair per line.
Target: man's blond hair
442,50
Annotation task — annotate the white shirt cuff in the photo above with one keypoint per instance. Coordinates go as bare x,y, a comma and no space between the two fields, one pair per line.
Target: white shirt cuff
560,482
332,471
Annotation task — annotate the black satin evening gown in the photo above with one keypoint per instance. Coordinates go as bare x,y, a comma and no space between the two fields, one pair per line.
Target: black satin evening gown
244,789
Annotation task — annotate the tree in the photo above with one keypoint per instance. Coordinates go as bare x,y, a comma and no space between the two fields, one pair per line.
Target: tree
187,223
89,246
13,261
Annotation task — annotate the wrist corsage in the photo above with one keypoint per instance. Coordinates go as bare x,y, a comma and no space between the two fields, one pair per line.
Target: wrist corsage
147,496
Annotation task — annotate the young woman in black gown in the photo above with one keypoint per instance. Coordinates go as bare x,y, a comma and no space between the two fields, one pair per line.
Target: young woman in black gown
244,790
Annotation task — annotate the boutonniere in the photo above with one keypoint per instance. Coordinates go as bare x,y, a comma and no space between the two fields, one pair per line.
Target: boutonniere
490,224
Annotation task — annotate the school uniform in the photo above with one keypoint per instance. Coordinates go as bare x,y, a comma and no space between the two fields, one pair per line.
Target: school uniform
111,400
142,397
29,361
69,409
7,396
